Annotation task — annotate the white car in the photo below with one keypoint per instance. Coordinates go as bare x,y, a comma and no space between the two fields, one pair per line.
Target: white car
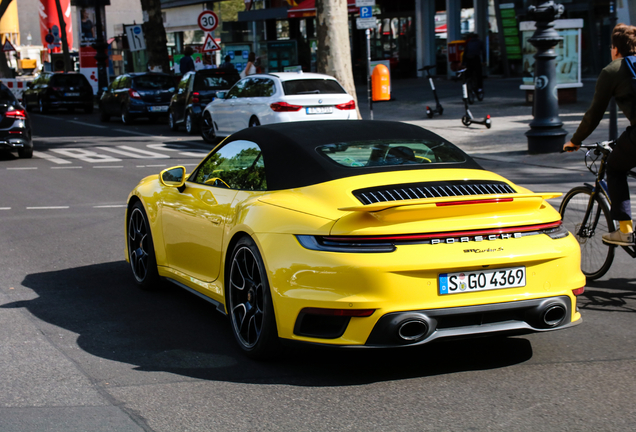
276,98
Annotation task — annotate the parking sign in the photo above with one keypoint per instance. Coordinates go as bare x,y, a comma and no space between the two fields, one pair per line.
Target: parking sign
366,12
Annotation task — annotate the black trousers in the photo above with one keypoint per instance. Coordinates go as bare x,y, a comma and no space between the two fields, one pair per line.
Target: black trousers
621,160
474,70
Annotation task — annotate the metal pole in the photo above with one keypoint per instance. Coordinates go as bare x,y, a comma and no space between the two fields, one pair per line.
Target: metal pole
100,46
613,115
369,95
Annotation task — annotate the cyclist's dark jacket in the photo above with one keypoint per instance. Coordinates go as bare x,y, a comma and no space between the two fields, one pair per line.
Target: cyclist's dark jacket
615,81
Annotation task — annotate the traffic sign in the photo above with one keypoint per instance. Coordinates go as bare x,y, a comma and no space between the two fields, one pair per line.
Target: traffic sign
363,3
210,44
366,12
136,40
49,38
208,20
7,46
366,23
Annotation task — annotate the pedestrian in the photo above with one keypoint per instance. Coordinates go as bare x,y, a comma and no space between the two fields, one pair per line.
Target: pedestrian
186,64
473,59
250,68
227,64
616,81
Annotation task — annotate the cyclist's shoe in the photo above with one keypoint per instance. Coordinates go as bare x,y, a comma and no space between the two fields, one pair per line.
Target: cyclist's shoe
619,238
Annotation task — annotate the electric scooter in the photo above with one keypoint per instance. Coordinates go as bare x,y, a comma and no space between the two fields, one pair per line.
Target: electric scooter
438,108
467,118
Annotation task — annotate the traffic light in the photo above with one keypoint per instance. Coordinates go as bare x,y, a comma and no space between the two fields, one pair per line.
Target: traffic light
57,62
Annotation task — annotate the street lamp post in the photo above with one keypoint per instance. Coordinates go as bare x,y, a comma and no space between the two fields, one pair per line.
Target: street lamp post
100,46
546,134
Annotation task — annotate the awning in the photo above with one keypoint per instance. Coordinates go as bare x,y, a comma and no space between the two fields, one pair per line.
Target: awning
308,9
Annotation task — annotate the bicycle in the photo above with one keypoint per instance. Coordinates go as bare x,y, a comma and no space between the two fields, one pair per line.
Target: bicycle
585,211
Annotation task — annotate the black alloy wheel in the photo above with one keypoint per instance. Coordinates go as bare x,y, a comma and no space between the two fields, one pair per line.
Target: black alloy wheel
25,152
171,122
141,251
207,129
249,302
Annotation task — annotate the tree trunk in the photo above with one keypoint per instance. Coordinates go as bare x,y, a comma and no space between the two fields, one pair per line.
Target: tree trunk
156,42
334,48
5,70
68,66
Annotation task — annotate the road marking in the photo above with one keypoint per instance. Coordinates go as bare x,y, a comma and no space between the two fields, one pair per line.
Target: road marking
109,167
48,208
86,155
71,167
110,206
5,208
50,158
87,124
22,168
134,152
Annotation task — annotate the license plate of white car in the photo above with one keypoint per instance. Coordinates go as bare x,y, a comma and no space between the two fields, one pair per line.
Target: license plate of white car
158,108
71,94
482,280
320,110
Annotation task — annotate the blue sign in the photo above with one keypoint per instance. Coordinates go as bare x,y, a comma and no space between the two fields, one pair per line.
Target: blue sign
366,12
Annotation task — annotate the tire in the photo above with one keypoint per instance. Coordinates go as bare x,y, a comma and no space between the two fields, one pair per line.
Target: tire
42,107
126,118
441,110
190,124
254,122
596,256
466,121
25,153
249,302
429,112
480,96
207,129
173,124
141,250
489,124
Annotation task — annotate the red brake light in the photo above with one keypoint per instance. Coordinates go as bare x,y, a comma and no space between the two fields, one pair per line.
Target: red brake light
133,94
16,114
284,107
347,106
578,291
195,97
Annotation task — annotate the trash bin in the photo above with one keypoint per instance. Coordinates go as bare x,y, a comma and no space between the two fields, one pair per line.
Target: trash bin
380,84
455,53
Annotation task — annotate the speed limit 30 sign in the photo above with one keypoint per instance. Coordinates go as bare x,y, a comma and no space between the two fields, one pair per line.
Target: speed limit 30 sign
208,20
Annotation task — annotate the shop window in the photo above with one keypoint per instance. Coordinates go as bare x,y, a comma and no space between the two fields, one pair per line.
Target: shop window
282,30
193,37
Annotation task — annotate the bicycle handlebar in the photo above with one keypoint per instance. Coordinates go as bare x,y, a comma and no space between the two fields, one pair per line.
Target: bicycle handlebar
604,146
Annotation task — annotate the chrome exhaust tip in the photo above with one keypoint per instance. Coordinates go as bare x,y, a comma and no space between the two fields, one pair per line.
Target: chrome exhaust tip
412,330
553,315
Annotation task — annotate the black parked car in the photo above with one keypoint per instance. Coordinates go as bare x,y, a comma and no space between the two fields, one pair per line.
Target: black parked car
15,125
196,89
134,95
58,90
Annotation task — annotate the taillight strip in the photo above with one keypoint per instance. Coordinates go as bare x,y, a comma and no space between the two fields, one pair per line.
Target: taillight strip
484,201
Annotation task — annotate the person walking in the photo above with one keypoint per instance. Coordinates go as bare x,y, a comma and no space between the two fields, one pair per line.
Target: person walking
250,68
615,81
227,63
473,59
186,64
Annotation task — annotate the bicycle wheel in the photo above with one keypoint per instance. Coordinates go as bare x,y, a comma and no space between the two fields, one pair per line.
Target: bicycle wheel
596,256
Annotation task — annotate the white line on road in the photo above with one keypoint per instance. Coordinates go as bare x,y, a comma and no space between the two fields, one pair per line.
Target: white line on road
5,208
48,208
114,166
50,158
22,168
71,167
87,124
110,206
134,152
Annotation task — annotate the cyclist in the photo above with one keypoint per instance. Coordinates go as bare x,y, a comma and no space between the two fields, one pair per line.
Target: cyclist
615,81
473,59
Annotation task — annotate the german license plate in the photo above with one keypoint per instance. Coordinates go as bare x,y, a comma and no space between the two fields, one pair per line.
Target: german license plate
71,94
158,108
482,280
320,110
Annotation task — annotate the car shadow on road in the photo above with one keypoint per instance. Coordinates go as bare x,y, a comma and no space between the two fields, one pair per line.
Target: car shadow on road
173,331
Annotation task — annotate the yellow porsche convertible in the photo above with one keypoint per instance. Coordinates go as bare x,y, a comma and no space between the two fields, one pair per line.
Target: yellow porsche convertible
354,234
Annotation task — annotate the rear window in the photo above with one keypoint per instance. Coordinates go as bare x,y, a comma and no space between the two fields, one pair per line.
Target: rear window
153,82
391,153
66,80
312,86
215,82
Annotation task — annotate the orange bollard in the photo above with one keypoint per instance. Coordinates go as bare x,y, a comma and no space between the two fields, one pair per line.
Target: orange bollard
380,83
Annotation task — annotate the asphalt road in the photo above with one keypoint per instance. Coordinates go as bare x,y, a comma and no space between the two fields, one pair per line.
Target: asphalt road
82,349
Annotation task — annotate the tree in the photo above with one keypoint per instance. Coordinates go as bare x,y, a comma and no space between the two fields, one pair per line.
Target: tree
334,48
5,71
68,66
156,41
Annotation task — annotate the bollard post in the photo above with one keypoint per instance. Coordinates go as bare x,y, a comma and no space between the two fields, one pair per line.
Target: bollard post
546,134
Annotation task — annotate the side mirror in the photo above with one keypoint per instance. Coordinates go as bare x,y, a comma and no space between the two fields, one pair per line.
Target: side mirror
173,177
221,94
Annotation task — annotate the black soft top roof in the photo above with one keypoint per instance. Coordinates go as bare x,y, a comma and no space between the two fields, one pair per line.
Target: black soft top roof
291,159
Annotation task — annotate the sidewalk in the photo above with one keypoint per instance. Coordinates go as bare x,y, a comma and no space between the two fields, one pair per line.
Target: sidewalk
504,101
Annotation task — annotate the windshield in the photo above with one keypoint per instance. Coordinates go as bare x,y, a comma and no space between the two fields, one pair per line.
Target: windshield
215,82
153,82
312,86
68,80
391,152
